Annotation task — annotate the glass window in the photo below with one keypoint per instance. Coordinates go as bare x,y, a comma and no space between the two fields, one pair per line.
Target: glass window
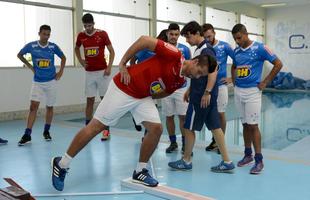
220,19
122,32
12,33
172,10
253,25
61,34
138,8
67,3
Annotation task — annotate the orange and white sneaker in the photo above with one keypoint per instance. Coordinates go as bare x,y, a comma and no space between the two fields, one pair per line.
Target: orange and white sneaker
105,135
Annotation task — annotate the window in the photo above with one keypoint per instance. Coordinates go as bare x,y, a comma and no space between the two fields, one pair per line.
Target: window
23,28
12,39
61,34
122,32
124,24
137,8
177,11
66,3
255,27
221,19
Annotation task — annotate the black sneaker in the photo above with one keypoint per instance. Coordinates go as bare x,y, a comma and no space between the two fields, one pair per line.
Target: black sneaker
212,146
183,149
47,136
3,141
173,147
24,140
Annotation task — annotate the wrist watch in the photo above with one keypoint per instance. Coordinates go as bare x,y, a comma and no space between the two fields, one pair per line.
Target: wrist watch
207,91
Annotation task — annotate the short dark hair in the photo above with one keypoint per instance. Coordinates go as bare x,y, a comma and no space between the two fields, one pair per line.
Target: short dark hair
163,35
192,27
239,28
207,60
173,26
206,27
88,18
44,27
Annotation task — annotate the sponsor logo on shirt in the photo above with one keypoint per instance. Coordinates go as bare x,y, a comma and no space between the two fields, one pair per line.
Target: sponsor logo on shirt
43,63
92,51
157,86
243,71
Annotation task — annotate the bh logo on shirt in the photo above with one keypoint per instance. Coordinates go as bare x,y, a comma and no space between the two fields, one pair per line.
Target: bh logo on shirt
43,63
92,51
243,71
157,86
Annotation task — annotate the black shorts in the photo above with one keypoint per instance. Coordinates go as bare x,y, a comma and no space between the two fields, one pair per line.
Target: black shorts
197,116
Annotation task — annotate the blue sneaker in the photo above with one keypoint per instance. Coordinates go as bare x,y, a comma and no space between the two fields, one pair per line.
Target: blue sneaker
223,167
144,178
2,141
180,165
58,174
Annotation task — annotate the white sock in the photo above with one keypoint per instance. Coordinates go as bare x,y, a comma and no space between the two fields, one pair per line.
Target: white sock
227,162
187,162
65,161
140,166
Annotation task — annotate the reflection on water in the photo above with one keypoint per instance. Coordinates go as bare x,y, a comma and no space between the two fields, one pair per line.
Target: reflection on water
285,119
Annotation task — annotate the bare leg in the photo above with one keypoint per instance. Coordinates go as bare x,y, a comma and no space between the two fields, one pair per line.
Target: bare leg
49,115
256,137
170,125
189,144
220,141
150,141
89,108
222,121
34,106
85,135
247,135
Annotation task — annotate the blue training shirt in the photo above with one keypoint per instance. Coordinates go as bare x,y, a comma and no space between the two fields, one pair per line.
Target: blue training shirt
184,50
198,86
249,64
186,54
223,50
143,55
43,59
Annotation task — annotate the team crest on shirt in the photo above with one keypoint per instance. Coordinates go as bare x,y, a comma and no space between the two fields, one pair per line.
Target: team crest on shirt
92,51
243,71
157,86
43,63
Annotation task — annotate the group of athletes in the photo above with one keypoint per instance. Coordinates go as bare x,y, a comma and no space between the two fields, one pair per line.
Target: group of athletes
193,88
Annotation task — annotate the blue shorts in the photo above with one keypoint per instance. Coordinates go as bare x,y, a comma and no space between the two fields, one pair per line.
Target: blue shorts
197,116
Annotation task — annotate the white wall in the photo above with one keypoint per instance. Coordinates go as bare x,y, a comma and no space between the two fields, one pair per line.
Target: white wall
283,23
15,85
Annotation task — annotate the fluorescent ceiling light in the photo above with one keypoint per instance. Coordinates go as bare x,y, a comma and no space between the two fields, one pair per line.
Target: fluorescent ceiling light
273,5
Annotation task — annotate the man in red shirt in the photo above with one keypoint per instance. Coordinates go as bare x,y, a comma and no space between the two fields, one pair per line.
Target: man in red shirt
97,74
132,89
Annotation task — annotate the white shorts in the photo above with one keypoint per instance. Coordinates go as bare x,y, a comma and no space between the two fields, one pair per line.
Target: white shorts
44,90
96,83
222,99
116,103
248,102
174,104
